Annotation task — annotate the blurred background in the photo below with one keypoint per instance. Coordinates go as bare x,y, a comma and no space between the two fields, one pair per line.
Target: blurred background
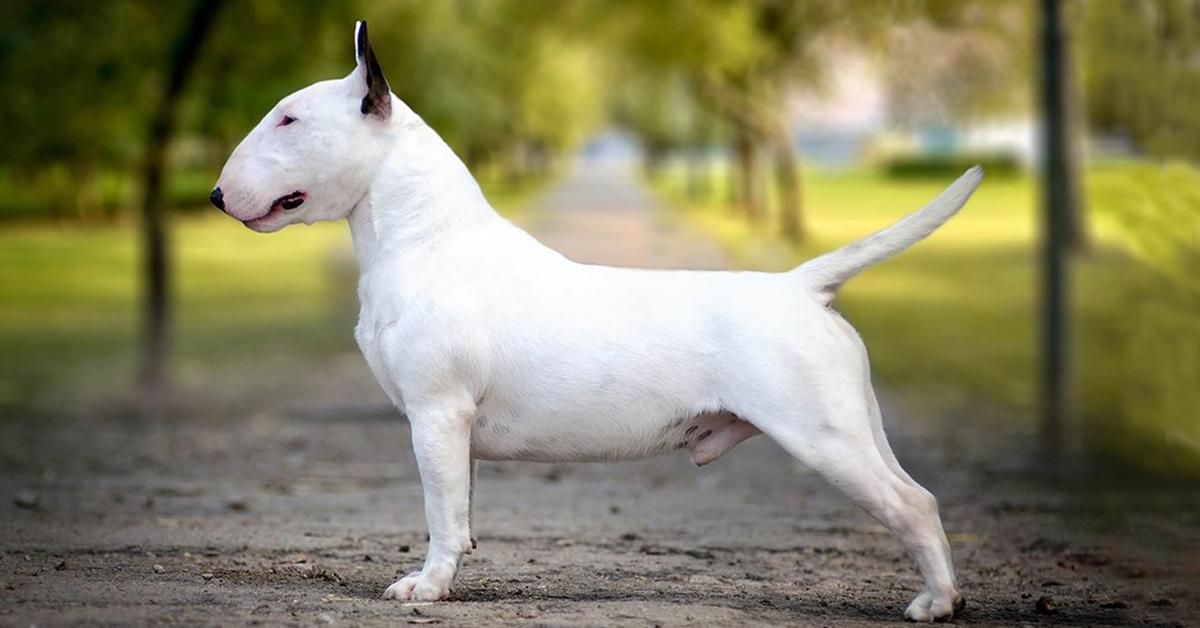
1064,302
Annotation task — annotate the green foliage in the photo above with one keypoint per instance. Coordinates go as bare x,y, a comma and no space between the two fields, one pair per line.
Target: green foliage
1142,318
261,51
942,166
1140,73
656,110
75,90
506,82
495,77
77,96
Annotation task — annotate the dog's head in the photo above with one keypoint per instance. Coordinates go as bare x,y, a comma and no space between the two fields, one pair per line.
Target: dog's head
314,155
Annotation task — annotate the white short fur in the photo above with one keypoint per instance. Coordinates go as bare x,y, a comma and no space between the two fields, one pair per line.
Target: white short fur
498,348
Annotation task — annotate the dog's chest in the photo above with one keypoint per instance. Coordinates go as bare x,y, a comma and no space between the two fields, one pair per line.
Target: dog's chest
370,333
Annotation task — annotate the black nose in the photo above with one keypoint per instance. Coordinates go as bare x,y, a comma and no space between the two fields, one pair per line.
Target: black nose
217,199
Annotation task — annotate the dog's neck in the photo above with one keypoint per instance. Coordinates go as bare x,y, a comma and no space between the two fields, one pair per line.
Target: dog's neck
422,193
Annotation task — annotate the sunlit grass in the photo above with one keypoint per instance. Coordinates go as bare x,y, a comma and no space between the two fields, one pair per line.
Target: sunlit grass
69,319
952,323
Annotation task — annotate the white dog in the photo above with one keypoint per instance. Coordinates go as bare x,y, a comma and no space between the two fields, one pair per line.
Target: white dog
498,348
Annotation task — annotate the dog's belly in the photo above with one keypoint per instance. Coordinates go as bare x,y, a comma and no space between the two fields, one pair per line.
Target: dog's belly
493,440
705,436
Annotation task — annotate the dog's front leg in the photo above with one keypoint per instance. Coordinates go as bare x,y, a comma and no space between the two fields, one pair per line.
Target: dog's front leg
441,435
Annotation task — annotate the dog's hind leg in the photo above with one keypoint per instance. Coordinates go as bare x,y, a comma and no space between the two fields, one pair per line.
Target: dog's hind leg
924,603
839,442
876,414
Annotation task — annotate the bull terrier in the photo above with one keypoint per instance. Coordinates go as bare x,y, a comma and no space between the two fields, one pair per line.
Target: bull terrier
496,347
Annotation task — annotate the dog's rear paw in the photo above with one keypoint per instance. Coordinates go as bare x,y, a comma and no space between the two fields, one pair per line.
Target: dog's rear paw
930,607
418,587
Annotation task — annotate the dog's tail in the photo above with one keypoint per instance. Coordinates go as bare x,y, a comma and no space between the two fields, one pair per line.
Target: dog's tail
825,274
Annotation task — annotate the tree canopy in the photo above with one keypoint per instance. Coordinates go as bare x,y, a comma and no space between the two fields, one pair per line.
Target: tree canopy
511,83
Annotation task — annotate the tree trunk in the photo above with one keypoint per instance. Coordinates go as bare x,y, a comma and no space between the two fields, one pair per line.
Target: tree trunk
654,157
787,180
156,293
86,192
1056,406
747,185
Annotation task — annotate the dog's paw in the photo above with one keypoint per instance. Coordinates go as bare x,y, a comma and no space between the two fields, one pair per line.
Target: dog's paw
418,586
931,607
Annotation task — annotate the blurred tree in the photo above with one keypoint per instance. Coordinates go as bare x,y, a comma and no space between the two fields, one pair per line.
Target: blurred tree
263,51
76,93
961,60
1140,73
156,292
788,54
666,118
957,61
655,109
667,48
502,80
742,60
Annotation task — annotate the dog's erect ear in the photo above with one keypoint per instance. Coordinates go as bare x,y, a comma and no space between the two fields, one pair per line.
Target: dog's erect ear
378,101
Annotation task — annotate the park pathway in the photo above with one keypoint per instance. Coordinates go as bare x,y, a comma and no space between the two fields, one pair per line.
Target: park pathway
303,515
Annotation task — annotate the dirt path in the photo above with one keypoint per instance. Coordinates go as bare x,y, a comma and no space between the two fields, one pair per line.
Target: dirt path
304,514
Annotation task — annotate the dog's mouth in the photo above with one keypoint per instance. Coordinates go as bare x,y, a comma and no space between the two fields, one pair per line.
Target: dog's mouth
290,201
287,202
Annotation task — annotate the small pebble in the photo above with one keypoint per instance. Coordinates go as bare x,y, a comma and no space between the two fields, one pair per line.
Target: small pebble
27,500
1045,605
159,568
207,576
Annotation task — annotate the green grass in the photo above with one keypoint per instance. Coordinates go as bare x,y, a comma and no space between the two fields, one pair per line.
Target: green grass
69,318
951,324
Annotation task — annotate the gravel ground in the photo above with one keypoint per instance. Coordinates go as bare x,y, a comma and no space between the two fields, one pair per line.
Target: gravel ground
303,513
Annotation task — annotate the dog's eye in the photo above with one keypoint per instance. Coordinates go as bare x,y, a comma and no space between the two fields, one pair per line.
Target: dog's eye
286,121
